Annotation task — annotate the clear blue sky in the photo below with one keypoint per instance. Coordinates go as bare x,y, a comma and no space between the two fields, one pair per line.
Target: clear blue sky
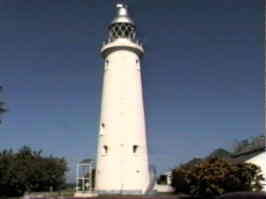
202,74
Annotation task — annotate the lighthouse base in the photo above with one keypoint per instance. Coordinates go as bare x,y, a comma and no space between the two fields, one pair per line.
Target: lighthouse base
85,194
120,192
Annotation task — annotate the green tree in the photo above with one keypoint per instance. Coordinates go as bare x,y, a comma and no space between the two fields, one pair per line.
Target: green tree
28,170
220,153
249,144
212,177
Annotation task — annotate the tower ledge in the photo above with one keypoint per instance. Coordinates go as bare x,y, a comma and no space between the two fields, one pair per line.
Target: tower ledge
122,43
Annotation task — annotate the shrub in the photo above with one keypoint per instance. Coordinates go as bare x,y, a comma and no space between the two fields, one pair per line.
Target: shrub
216,176
28,170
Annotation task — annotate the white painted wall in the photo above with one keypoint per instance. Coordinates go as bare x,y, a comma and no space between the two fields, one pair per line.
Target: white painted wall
122,122
163,188
260,160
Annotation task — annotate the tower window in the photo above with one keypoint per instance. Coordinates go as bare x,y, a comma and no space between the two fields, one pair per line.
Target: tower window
107,62
135,148
137,61
102,129
105,150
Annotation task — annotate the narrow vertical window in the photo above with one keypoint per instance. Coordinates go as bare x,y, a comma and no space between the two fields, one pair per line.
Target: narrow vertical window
102,129
135,148
106,67
105,150
137,65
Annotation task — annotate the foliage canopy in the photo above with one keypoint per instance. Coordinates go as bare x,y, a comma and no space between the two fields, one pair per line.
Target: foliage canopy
28,170
216,176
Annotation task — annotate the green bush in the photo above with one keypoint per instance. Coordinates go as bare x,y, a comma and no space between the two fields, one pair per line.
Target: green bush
28,170
212,177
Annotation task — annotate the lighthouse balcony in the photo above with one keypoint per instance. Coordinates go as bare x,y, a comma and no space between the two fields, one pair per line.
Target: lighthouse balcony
137,42
122,43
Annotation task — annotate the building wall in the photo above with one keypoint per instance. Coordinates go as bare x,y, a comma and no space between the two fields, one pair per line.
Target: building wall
163,188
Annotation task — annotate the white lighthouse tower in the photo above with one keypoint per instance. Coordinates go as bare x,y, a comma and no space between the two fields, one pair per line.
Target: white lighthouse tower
122,159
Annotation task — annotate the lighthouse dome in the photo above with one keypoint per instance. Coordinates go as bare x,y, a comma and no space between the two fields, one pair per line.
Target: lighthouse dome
122,15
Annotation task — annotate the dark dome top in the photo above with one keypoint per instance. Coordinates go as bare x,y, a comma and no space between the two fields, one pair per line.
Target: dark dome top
122,15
